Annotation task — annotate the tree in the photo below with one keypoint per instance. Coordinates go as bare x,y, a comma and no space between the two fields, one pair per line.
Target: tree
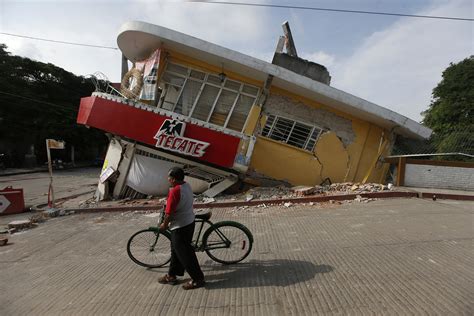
451,112
39,101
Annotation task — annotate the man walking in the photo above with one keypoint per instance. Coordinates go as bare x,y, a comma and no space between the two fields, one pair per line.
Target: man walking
179,218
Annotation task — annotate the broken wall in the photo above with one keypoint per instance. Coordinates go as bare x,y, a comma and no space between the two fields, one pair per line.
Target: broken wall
348,150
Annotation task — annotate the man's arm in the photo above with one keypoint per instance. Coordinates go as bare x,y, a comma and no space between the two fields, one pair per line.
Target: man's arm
166,222
171,205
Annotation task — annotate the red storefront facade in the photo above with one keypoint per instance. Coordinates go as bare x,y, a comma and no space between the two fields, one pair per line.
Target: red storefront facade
147,127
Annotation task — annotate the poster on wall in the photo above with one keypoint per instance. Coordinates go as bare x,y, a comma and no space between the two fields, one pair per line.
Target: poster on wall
150,74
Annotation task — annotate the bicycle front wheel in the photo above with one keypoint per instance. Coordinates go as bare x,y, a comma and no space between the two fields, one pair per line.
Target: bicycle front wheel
150,248
228,242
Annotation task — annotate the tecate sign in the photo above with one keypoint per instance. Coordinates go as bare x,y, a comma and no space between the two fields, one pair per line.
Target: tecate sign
170,137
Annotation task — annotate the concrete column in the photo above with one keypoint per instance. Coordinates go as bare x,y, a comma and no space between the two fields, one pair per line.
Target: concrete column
123,168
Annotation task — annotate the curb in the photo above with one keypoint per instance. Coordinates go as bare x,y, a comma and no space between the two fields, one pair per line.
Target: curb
40,207
326,198
445,196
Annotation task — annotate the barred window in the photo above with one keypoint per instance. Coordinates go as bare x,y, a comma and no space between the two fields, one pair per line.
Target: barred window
204,97
290,132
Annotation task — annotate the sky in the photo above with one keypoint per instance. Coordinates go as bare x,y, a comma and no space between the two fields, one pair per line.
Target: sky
392,61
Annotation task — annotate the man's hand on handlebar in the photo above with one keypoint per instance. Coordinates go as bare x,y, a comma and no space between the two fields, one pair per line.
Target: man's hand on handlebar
164,225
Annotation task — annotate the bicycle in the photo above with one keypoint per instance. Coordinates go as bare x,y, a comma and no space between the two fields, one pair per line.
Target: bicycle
225,242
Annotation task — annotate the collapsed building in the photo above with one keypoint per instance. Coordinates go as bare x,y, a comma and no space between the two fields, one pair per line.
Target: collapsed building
225,116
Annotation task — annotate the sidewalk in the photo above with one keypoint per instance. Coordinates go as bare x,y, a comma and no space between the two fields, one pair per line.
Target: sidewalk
438,191
18,171
387,257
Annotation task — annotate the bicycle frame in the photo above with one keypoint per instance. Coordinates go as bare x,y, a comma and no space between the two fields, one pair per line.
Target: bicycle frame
197,243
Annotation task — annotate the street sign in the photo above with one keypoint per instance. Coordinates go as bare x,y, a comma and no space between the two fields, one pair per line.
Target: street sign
55,144
52,144
4,203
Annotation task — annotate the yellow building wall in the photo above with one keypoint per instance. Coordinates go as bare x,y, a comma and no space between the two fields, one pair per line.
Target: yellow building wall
331,159
283,162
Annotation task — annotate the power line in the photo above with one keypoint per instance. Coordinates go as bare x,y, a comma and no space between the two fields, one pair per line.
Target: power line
37,101
333,10
59,42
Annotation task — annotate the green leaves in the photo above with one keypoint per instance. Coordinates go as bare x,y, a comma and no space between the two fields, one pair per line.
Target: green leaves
39,101
451,112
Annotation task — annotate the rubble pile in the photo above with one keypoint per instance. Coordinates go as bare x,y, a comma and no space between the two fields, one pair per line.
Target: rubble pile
283,192
261,193
355,188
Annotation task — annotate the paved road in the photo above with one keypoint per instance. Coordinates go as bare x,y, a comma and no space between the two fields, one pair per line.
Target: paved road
398,257
65,183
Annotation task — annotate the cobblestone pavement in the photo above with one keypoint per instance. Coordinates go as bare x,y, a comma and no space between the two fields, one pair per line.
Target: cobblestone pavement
396,256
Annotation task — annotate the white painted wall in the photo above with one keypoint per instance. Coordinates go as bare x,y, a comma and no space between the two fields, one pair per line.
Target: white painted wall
441,177
112,159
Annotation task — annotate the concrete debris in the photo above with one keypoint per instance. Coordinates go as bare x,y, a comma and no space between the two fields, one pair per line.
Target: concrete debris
262,193
282,192
3,241
21,224
303,190
51,212
240,208
208,200
38,217
351,188
363,199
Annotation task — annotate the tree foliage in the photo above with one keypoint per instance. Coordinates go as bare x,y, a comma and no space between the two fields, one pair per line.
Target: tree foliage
451,112
40,101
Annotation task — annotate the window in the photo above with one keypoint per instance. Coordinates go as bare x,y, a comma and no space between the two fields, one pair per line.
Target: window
204,97
290,132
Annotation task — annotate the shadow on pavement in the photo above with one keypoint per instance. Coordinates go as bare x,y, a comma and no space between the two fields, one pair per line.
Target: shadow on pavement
256,273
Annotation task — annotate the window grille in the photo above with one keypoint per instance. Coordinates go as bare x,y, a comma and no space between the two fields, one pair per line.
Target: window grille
290,132
204,97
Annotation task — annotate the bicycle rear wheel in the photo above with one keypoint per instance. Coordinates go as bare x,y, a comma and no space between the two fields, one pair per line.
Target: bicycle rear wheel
227,242
150,248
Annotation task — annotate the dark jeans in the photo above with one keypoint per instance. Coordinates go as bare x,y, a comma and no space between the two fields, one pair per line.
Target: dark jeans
183,256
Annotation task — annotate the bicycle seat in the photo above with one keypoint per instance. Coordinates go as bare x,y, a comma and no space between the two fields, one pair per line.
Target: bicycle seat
204,215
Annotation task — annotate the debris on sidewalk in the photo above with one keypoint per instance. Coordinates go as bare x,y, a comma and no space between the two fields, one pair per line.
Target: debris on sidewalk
256,194
21,225
351,188
359,198
208,200
303,190
38,217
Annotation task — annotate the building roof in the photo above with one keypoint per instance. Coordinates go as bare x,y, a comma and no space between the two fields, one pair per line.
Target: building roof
138,40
